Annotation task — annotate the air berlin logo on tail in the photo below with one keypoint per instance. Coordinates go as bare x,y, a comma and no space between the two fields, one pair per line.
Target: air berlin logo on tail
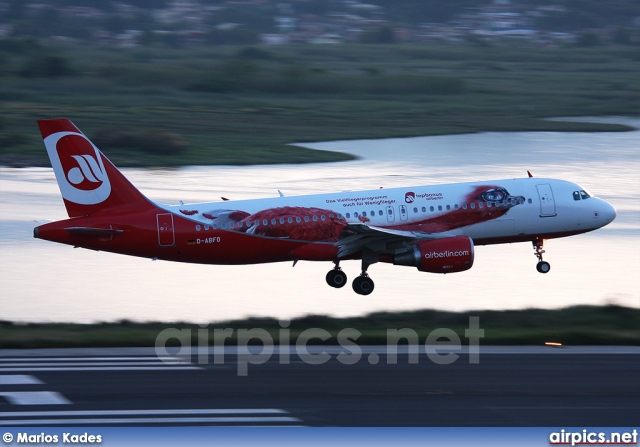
87,175
78,167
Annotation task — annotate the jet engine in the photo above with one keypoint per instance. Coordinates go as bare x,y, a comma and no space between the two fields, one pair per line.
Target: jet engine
445,255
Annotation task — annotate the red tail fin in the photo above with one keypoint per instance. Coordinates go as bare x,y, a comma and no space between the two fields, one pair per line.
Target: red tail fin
88,181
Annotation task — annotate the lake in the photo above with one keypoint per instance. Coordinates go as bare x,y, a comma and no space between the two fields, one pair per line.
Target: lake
42,281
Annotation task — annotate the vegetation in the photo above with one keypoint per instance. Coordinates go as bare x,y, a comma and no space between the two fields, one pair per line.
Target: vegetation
578,325
155,105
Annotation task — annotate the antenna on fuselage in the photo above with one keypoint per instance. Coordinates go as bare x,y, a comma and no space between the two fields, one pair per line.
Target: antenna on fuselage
529,174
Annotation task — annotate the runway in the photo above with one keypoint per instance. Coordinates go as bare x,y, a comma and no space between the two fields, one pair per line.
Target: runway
507,386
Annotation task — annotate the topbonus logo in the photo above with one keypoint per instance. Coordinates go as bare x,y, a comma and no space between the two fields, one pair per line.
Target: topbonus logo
78,167
410,197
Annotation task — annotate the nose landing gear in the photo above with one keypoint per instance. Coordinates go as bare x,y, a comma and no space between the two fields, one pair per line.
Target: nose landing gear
541,266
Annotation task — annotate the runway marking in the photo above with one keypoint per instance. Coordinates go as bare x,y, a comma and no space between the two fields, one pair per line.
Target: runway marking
252,416
35,398
122,421
144,412
577,407
19,379
102,368
128,363
171,360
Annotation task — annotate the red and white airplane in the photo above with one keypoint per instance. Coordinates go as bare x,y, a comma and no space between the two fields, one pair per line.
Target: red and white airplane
433,228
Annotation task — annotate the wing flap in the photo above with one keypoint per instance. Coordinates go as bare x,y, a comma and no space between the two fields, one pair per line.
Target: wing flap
356,237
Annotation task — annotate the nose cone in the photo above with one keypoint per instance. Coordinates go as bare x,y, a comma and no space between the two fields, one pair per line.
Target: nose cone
606,213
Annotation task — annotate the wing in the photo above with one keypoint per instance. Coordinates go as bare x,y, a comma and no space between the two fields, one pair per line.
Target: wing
356,237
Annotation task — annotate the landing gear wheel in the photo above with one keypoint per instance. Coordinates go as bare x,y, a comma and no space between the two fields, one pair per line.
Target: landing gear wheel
543,267
538,246
363,285
336,278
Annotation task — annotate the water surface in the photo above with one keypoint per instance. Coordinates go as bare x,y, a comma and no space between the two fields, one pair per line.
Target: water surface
43,281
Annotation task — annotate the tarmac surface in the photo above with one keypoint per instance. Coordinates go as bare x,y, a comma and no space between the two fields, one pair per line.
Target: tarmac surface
495,387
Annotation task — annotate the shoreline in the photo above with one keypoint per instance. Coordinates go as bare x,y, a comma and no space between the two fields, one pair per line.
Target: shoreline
575,325
556,124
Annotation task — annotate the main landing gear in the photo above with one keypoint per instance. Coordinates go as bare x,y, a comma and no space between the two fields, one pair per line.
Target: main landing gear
362,285
336,277
541,266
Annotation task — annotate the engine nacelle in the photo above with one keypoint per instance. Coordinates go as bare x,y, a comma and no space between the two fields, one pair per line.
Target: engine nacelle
446,255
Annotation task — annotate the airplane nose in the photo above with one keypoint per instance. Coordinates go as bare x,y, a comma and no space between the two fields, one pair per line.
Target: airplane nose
608,212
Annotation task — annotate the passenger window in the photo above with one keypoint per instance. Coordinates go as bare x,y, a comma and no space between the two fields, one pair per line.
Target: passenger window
380,213
290,220
315,218
415,210
306,218
464,206
439,207
448,207
480,205
432,209
298,219
323,217
455,207
473,206
355,214
265,222
273,221
340,216
424,209
364,213
348,215
197,227
281,220
530,201
330,216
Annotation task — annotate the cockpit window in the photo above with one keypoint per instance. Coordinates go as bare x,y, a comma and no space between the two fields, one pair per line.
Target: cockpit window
581,195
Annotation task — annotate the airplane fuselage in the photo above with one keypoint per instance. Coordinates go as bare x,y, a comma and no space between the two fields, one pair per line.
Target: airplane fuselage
307,227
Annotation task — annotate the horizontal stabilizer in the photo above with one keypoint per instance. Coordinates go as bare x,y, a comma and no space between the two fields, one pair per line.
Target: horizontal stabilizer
88,231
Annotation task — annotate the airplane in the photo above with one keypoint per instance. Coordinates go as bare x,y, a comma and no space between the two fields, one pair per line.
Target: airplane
433,228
